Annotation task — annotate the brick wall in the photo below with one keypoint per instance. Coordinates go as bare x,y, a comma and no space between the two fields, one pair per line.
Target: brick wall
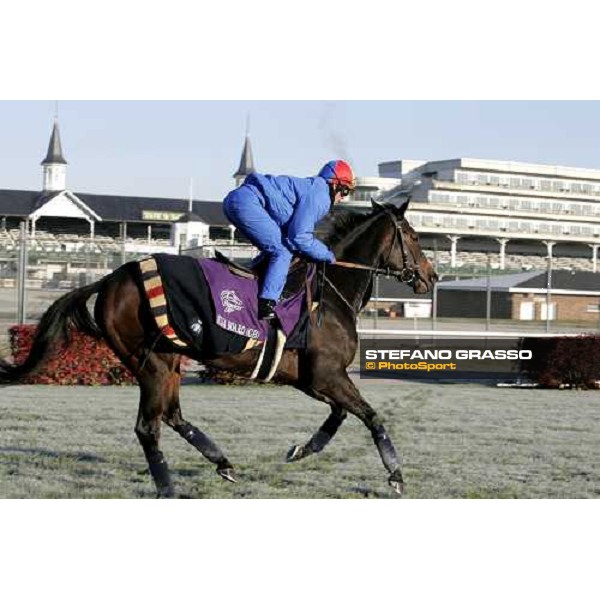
568,308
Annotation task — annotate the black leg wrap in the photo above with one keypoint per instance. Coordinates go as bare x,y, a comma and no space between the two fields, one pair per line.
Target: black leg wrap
332,424
386,449
317,442
204,444
162,478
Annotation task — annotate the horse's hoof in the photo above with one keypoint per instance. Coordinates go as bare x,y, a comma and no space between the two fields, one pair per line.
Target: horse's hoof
227,474
294,453
396,482
165,493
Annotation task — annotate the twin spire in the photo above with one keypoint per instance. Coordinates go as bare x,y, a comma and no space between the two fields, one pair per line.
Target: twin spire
246,163
55,164
54,155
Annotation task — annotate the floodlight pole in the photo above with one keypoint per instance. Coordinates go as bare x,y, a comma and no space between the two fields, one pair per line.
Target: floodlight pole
434,307
123,242
376,322
548,291
22,274
488,294
434,295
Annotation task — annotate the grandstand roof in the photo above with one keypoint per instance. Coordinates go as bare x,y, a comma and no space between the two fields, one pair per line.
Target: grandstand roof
576,281
498,282
17,203
582,281
21,203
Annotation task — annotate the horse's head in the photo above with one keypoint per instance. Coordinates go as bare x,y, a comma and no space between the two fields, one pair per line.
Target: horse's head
401,251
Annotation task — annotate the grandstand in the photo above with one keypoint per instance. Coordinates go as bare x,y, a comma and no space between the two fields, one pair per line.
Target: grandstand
512,262
74,237
470,213
520,213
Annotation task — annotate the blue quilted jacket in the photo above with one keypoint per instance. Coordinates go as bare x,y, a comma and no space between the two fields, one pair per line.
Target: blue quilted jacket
296,204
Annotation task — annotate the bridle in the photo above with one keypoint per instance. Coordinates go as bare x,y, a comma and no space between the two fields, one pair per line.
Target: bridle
407,274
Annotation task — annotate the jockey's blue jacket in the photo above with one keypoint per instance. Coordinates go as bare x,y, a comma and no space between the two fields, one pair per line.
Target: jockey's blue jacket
278,214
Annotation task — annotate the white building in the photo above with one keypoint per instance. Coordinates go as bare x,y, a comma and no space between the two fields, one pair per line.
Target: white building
510,209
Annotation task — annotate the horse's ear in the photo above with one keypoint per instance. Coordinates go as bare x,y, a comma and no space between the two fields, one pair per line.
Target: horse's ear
400,210
377,206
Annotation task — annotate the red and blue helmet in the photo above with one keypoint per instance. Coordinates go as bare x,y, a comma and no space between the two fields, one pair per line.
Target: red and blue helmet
338,172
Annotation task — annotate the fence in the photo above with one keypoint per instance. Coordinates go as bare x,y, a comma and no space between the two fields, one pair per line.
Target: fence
35,270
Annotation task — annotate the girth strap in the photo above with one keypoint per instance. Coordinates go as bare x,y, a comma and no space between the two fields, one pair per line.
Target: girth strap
270,356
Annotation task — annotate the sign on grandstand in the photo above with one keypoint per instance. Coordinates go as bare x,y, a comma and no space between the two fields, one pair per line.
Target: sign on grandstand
156,215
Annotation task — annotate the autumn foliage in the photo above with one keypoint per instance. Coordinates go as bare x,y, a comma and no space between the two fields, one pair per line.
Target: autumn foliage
85,361
564,361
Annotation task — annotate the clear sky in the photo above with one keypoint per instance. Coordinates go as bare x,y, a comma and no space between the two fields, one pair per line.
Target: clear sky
153,148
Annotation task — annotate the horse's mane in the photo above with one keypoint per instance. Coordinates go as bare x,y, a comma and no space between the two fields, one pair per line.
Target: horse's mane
339,224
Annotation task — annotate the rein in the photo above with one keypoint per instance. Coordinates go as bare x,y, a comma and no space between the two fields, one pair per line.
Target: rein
406,275
376,270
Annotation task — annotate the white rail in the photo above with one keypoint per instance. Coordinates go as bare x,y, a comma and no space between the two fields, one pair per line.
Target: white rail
468,334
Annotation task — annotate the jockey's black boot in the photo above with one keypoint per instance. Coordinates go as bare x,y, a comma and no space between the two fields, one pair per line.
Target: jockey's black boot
265,309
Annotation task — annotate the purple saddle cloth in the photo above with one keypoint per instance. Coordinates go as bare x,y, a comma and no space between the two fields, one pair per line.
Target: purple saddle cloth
235,300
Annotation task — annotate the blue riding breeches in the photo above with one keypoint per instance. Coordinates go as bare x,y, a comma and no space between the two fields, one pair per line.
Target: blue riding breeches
244,209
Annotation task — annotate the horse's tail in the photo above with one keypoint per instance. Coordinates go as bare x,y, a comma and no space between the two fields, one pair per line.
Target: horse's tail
68,312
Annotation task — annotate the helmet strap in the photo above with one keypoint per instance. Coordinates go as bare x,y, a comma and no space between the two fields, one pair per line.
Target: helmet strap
332,192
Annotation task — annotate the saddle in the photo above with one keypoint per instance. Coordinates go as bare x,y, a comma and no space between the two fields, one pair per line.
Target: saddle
237,269
296,278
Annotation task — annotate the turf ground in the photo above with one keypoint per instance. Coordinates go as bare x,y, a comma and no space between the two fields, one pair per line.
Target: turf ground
455,440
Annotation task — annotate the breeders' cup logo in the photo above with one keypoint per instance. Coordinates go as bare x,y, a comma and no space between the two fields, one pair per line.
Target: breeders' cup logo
230,301
196,327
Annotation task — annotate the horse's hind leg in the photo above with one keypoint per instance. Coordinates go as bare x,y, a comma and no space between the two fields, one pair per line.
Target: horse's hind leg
147,429
191,434
154,383
117,313
323,435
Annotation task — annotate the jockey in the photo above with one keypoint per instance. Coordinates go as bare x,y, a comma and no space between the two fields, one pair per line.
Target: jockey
278,214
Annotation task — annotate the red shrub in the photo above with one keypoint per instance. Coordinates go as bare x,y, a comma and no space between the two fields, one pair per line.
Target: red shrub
570,361
85,361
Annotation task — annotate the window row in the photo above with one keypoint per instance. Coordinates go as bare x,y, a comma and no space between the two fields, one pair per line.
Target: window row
466,200
543,184
502,225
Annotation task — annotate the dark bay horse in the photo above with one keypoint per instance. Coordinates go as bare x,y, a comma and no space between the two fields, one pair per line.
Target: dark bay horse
364,244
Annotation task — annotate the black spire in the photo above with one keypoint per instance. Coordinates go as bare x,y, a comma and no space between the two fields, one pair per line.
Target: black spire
54,154
247,162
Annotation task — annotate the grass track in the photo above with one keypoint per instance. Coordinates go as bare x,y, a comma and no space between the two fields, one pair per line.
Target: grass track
456,441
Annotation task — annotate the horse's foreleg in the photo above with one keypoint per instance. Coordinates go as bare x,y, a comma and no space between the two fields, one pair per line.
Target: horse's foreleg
346,395
323,435
191,434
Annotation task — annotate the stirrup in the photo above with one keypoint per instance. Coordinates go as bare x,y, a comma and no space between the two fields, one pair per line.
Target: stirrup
265,309
268,317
